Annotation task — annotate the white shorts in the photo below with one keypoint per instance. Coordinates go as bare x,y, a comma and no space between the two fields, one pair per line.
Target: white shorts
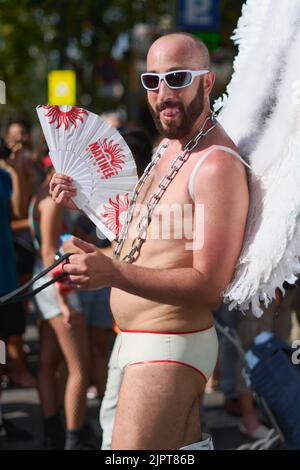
46,301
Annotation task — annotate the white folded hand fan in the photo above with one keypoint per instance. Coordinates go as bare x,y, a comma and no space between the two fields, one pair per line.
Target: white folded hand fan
84,146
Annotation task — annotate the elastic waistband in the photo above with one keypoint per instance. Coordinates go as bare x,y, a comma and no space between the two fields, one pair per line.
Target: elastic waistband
168,332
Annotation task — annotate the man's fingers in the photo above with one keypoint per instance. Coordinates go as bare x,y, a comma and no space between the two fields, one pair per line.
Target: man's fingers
75,258
84,246
63,177
63,193
74,269
64,196
60,179
69,247
62,190
77,281
60,183
63,187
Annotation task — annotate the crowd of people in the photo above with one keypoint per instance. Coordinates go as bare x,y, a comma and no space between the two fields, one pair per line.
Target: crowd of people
76,330
78,339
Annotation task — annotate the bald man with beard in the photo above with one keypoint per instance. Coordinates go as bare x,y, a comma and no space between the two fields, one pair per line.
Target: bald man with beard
163,300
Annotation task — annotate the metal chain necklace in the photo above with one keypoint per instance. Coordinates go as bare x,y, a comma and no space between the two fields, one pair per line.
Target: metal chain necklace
157,195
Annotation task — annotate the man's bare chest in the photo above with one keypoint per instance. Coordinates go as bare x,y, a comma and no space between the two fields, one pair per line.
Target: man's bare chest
172,205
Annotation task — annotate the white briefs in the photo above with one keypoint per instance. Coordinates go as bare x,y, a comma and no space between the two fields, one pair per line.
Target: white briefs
195,349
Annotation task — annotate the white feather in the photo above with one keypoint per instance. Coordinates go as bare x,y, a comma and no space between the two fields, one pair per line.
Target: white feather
263,116
264,35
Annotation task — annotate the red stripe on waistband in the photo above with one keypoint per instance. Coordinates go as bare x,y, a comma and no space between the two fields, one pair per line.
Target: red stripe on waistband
169,361
167,332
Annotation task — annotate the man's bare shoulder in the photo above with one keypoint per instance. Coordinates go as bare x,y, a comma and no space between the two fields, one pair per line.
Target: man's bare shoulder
222,171
221,163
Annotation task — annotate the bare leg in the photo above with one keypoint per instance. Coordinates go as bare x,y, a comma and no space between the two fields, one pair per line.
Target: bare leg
193,428
158,407
249,416
74,345
20,374
61,375
50,356
248,328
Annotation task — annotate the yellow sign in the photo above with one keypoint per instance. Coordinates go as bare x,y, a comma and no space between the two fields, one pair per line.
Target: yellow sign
62,87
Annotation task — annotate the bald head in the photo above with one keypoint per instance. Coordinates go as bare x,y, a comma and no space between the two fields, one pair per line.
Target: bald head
185,48
177,110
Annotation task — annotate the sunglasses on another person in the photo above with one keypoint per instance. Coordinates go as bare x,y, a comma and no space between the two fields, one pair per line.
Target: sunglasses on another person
174,79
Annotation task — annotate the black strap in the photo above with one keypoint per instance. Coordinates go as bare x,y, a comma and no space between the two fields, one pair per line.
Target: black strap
14,296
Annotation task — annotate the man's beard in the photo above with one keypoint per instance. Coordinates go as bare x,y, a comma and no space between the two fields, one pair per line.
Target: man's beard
189,115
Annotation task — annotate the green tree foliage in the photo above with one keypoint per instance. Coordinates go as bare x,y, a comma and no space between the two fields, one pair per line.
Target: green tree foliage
37,36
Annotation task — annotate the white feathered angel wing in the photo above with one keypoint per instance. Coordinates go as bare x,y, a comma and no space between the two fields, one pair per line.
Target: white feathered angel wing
266,127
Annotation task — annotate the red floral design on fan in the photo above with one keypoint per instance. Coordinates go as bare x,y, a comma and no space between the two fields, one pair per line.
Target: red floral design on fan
65,117
108,156
115,212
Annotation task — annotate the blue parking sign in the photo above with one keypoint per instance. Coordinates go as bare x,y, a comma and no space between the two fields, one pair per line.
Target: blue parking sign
200,15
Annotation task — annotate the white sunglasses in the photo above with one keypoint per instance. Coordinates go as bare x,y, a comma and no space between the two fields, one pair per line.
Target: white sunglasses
174,79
